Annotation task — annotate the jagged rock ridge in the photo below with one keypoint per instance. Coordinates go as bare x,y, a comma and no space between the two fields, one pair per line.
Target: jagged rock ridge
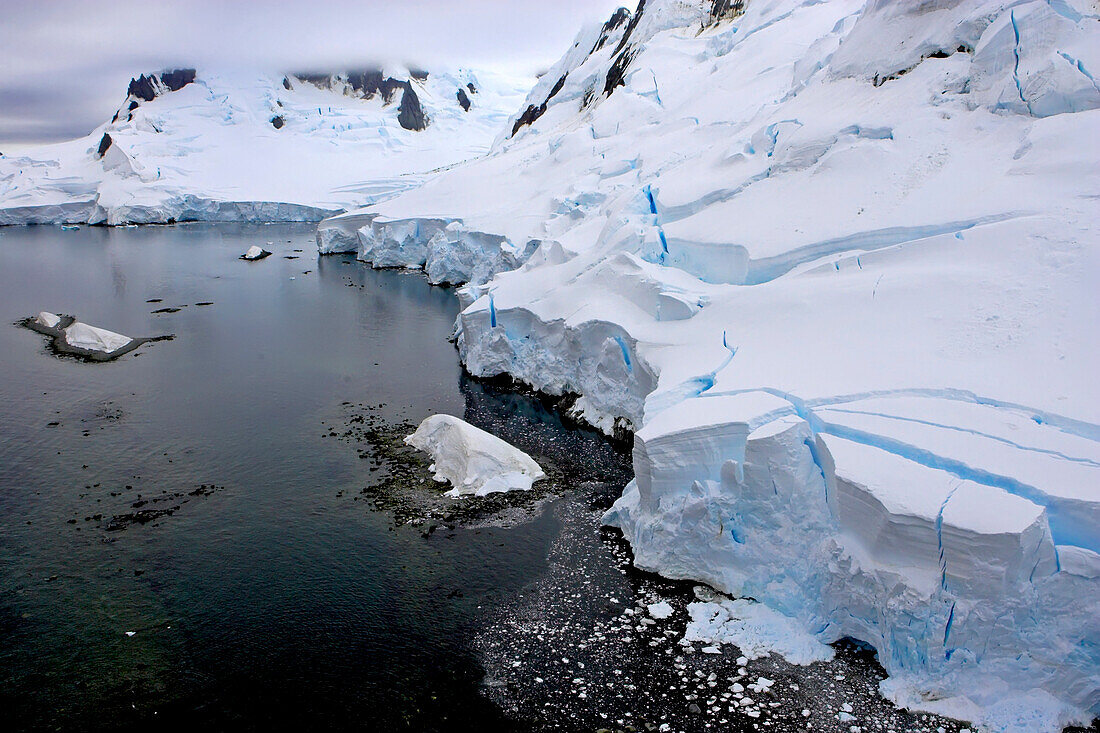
368,83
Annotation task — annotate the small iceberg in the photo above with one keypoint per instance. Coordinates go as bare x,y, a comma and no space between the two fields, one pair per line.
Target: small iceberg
82,336
476,463
47,320
70,336
255,253
660,610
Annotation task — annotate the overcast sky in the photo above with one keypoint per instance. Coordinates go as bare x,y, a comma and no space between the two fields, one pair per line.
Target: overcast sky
65,64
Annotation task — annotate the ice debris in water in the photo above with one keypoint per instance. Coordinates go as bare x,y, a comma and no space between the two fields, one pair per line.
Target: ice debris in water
660,610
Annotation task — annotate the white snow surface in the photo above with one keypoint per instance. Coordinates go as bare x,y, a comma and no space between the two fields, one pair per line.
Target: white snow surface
254,252
753,628
474,462
92,338
209,151
660,609
836,264
47,319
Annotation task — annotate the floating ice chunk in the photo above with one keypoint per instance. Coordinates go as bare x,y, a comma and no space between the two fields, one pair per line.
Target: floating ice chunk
47,320
472,460
82,336
255,253
762,685
660,610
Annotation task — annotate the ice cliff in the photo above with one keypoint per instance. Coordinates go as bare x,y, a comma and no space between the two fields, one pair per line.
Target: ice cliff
835,265
191,145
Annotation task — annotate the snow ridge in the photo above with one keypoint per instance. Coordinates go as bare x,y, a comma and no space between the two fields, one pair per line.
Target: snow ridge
209,146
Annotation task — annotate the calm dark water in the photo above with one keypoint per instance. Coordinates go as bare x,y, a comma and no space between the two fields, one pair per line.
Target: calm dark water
276,600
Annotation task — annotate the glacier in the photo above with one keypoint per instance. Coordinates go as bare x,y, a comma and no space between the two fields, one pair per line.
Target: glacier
216,145
833,266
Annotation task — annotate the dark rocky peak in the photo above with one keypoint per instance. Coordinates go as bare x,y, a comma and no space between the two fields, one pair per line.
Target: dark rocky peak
104,145
411,114
471,87
150,87
620,16
362,83
463,100
725,10
624,54
617,20
369,83
631,26
533,112
146,88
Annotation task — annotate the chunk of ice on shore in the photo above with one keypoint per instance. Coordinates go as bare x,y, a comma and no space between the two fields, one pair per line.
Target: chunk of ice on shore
82,336
755,629
47,319
472,460
255,253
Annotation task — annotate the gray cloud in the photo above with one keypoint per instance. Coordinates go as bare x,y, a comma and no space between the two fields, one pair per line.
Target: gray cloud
64,64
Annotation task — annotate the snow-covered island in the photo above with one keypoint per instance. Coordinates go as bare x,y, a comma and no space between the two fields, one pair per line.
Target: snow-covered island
834,266
75,338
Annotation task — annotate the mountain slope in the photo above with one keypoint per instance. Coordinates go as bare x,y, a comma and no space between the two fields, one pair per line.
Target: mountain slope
835,264
212,146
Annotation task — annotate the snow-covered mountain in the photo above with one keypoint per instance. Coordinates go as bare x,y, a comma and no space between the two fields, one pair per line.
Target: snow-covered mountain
215,146
836,264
